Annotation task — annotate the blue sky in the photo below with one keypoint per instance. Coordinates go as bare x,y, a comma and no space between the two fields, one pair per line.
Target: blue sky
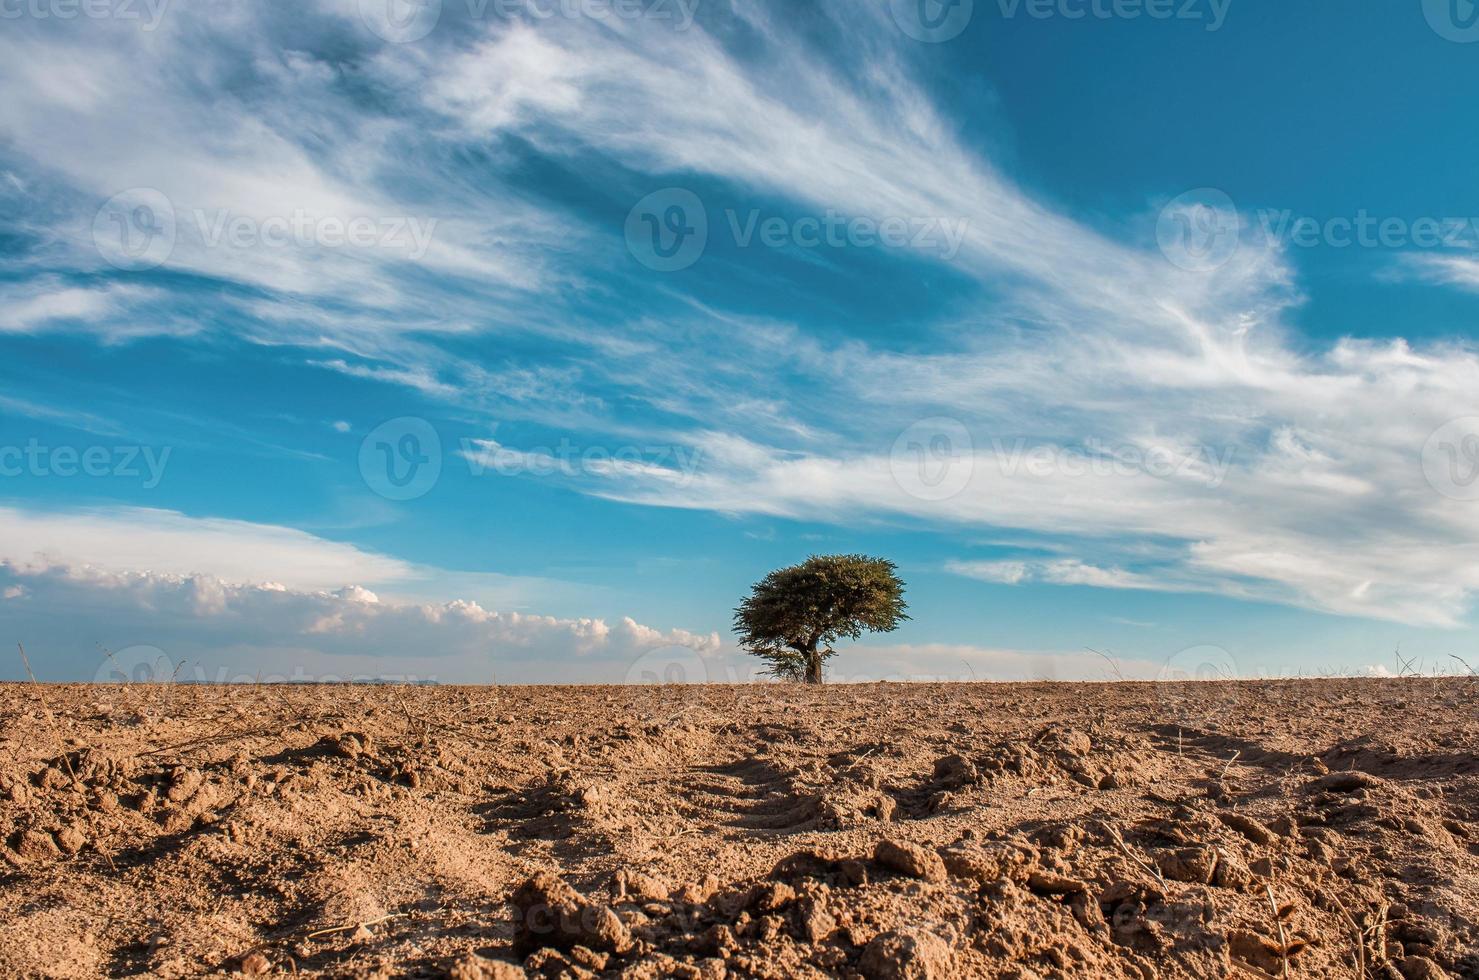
514,340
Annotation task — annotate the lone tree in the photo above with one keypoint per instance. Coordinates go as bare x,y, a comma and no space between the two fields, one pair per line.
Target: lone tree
792,617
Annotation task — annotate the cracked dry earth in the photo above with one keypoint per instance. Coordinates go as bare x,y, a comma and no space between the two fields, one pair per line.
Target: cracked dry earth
1257,829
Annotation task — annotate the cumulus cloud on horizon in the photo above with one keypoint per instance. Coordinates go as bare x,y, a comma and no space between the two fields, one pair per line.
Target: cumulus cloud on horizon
235,596
73,614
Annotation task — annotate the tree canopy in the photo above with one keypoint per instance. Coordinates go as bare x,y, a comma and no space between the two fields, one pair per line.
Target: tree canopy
792,617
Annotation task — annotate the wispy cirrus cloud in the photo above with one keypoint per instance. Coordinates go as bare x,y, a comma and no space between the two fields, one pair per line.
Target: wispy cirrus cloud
1460,271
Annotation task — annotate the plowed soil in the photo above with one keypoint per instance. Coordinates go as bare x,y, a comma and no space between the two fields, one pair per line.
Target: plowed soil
1260,829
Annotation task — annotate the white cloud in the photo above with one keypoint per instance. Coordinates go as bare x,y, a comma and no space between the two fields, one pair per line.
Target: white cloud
121,540
225,626
46,304
143,584
286,144
1068,571
1461,271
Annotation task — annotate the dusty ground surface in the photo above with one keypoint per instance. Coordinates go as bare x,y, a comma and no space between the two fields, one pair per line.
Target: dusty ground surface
1320,829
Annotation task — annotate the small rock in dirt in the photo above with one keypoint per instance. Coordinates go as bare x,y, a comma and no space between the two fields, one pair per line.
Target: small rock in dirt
988,862
641,887
183,785
70,840
910,859
1059,837
551,913
881,806
804,864
955,771
906,955
698,892
1344,782
1248,827
351,745
254,965
1193,865
768,898
472,967
1231,872
589,958
1256,950
816,922
1044,883
53,778
551,963
37,845
854,872
1068,741
1319,851
1421,968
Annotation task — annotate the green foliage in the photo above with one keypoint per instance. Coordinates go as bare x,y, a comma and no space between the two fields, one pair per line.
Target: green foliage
792,617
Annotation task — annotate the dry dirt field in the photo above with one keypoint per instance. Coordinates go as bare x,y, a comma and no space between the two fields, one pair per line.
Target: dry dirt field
1270,829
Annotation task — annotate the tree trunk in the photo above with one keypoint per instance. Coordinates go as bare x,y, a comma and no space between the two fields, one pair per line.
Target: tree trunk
813,665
